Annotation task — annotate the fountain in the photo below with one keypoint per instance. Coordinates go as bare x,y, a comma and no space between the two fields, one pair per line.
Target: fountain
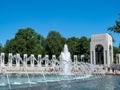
45,72
65,62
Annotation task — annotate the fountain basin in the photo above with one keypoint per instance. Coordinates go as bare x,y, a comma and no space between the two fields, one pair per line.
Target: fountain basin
37,80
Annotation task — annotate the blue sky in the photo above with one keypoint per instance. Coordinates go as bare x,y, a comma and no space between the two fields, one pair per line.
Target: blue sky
68,17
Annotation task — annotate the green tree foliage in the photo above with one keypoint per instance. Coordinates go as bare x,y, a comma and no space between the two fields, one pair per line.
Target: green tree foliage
54,43
1,48
26,41
83,47
116,27
72,45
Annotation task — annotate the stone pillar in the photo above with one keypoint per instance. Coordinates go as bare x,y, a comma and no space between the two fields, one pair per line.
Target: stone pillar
82,58
75,59
108,59
105,58
88,58
75,62
53,57
46,60
18,60
2,59
25,60
39,60
10,59
53,60
32,60
117,58
92,57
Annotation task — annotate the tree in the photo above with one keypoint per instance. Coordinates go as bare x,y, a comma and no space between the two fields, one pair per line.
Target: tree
72,45
1,48
54,43
26,41
83,48
115,28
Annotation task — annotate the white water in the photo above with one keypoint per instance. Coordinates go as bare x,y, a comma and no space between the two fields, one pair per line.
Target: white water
65,62
2,84
17,83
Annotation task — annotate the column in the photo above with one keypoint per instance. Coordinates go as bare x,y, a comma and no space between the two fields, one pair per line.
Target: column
25,60
39,60
117,58
75,59
46,60
108,58
75,63
105,58
2,59
91,57
82,58
94,57
53,60
111,54
10,59
18,60
32,60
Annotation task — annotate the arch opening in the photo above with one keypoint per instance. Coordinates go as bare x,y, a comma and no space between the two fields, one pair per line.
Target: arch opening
99,51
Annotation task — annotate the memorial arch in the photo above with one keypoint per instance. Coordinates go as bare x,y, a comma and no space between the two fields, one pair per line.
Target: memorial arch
101,49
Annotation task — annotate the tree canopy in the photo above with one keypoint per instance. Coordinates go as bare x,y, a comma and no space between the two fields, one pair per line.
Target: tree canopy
26,41
116,27
54,43
72,45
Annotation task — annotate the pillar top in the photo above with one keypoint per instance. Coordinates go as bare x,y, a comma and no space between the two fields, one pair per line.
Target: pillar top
2,53
32,55
46,56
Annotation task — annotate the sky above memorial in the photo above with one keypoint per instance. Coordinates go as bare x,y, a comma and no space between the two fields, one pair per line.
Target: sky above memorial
71,18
